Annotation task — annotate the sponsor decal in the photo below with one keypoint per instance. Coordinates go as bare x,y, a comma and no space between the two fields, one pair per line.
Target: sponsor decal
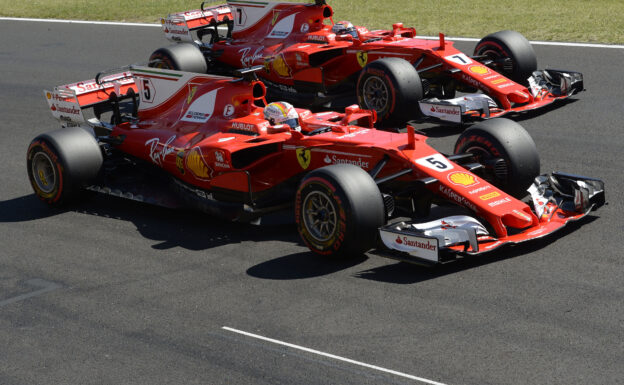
280,67
276,14
67,110
336,160
243,126
351,135
522,214
304,156
362,58
489,196
317,38
283,28
499,81
220,160
191,94
479,69
196,164
201,110
221,140
305,27
462,179
473,82
247,58
457,198
435,162
158,150
500,202
444,112
228,110
506,85
536,232
408,241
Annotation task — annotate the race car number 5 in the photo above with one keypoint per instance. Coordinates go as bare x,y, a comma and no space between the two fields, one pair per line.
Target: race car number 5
148,91
435,162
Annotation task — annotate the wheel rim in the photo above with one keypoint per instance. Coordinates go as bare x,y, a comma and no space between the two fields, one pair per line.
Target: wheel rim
498,57
44,172
376,93
496,168
319,216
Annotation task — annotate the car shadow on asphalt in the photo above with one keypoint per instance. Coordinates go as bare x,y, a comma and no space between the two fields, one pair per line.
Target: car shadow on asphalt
169,228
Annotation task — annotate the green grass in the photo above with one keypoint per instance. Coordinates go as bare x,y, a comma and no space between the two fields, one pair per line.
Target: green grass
598,21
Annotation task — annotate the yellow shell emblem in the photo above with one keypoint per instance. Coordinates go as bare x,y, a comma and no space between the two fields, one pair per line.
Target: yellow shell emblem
196,165
479,69
462,179
280,67
304,156
362,58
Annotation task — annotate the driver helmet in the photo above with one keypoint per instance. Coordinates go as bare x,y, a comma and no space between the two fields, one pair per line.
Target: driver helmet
282,113
344,28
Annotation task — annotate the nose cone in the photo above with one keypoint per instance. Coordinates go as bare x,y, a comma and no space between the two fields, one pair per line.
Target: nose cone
519,219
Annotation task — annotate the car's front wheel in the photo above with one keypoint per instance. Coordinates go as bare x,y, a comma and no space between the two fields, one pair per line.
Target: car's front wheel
507,152
338,210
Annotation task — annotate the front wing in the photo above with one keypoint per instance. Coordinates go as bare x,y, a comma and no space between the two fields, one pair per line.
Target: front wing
558,199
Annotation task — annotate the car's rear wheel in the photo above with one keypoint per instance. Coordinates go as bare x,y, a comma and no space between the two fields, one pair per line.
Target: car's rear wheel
392,87
181,57
507,151
61,162
511,53
338,210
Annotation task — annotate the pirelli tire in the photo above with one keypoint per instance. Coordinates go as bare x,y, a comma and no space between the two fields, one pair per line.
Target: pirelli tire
181,57
60,163
514,46
392,87
507,151
338,210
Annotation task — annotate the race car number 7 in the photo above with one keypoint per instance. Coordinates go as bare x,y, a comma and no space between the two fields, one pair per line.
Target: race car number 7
435,162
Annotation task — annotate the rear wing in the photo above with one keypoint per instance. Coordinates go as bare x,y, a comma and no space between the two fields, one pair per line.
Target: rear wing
102,94
205,21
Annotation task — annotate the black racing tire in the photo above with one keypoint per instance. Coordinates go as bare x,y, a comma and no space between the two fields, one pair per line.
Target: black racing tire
338,210
392,87
512,45
180,57
60,163
506,150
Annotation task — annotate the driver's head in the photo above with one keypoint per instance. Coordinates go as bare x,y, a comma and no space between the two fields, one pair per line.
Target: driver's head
344,28
282,113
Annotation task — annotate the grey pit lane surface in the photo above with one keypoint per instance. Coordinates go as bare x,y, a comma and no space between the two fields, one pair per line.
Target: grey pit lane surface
143,292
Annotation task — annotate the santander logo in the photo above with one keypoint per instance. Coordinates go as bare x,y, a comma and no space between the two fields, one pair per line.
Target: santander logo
399,241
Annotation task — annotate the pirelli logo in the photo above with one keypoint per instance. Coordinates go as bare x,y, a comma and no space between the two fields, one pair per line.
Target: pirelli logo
489,196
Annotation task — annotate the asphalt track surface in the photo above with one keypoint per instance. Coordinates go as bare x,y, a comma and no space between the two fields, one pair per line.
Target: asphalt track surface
115,292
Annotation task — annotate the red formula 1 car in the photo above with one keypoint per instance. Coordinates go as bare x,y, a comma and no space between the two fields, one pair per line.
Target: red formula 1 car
194,140
311,61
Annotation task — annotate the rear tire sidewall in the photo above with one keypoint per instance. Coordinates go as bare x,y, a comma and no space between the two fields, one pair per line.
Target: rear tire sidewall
403,87
515,46
506,139
73,155
180,57
358,210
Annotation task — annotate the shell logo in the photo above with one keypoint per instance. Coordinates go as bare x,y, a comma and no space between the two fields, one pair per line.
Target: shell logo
280,67
196,165
479,69
462,179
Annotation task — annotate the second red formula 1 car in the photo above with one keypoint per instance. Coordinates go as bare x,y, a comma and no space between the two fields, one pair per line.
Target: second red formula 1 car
311,61
181,139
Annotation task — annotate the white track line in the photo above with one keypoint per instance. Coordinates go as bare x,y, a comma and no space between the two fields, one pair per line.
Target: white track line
562,44
335,357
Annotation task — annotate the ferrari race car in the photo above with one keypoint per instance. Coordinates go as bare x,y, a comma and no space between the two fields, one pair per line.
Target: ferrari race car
181,139
311,61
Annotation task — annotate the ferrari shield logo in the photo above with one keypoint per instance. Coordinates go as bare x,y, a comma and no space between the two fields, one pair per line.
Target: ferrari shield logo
304,156
275,16
191,95
362,58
